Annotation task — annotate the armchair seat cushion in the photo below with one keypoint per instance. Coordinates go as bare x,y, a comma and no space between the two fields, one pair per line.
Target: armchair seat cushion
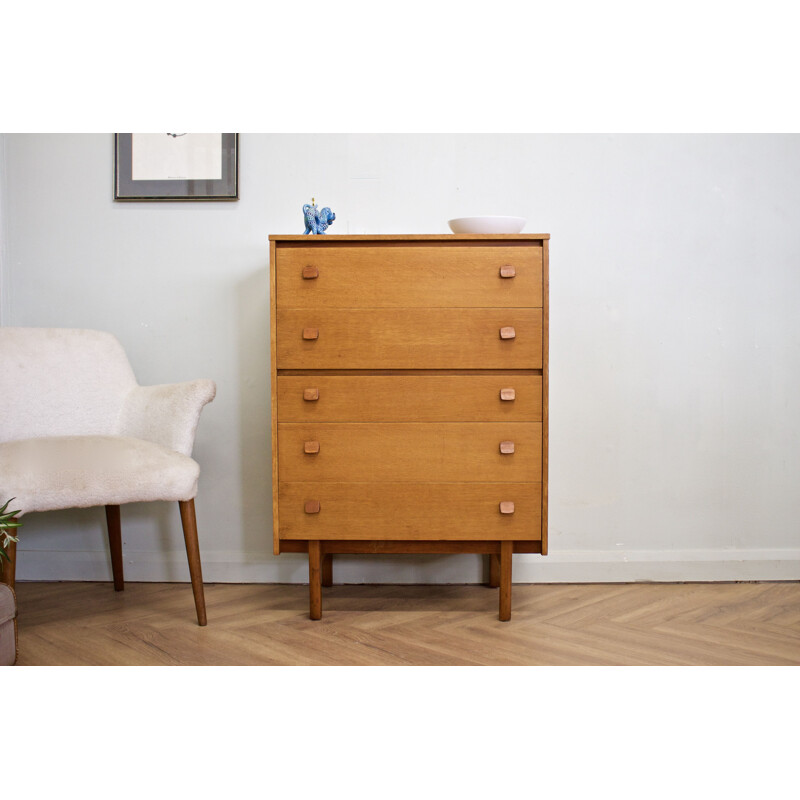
57,472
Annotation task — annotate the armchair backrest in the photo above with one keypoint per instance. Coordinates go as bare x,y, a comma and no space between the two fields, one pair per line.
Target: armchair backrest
61,382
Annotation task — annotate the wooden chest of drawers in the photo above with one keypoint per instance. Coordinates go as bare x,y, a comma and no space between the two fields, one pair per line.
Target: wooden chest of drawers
409,398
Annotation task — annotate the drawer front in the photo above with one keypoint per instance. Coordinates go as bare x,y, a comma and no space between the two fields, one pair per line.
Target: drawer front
404,275
410,511
410,398
409,338
393,452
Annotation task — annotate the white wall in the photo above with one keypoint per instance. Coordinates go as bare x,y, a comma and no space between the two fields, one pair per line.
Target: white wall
675,337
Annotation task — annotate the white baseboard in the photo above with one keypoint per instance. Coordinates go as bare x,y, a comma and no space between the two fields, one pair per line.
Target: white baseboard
669,566
584,566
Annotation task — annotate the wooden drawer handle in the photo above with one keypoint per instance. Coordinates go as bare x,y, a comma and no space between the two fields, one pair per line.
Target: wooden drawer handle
312,507
309,273
311,394
311,333
508,272
506,507
508,394
508,332
506,447
311,447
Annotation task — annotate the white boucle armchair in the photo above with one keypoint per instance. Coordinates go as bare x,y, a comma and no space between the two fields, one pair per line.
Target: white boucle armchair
76,430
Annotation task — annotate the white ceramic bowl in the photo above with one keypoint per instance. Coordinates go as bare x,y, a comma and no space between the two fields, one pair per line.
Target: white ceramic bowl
487,224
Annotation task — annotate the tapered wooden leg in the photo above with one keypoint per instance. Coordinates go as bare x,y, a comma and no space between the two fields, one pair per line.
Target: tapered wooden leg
315,579
115,546
494,570
327,569
506,549
8,569
189,521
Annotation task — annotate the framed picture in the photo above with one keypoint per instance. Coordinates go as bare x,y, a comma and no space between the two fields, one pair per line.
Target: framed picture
176,166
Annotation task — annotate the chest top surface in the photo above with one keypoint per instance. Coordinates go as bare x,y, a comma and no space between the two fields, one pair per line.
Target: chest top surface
417,237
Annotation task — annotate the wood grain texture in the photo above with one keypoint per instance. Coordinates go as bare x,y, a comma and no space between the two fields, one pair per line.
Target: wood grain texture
505,581
646,624
494,571
273,356
315,580
327,569
411,546
411,511
368,448
410,398
408,275
189,523
410,451
545,388
444,239
409,338
114,526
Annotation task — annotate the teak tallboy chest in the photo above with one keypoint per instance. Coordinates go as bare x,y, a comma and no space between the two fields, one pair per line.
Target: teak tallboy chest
409,398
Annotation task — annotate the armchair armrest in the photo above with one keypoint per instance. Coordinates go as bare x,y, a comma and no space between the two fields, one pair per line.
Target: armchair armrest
166,414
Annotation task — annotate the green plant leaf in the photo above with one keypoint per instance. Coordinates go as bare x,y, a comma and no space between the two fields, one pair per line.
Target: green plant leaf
7,516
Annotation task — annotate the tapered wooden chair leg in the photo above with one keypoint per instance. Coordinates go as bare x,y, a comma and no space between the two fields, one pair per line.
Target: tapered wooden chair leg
115,546
189,521
315,579
327,569
8,569
506,549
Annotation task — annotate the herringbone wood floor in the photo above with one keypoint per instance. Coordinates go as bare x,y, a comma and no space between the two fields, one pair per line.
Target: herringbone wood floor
553,624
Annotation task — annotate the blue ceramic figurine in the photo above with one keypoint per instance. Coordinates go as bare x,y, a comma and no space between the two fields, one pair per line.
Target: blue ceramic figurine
317,221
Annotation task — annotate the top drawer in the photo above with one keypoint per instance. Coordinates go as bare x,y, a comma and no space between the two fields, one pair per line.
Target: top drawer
409,275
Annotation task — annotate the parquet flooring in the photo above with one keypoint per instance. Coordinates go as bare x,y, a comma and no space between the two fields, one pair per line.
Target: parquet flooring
551,624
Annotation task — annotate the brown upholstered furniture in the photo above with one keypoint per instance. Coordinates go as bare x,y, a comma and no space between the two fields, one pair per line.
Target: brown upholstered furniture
8,626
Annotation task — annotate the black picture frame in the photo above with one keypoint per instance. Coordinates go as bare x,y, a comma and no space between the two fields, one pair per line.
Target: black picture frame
126,188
